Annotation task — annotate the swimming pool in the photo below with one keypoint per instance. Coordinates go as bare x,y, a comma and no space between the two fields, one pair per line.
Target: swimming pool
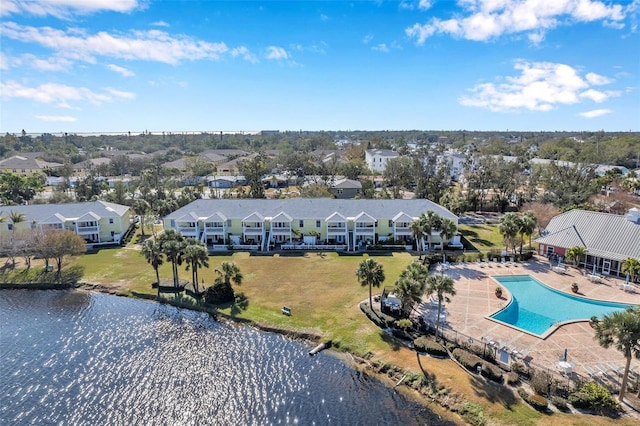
537,309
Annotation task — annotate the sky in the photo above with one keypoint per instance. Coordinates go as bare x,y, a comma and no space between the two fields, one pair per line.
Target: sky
187,65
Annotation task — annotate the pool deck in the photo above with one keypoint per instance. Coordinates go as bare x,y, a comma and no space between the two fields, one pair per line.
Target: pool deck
475,300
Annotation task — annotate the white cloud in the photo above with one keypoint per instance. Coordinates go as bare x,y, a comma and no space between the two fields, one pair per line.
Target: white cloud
424,4
595,113
382,47
243,52
125,72
65,8
324,17
483,20
540,86
160,24
421,4
60,94
152,45
60,118
277,53
367,39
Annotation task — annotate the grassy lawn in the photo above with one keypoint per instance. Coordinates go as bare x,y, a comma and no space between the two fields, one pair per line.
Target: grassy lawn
483,237
323,293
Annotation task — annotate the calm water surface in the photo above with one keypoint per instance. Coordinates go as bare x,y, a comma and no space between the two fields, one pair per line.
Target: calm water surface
75,358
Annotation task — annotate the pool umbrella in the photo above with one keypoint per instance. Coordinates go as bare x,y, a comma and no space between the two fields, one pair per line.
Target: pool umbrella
626,281
565,354
594,266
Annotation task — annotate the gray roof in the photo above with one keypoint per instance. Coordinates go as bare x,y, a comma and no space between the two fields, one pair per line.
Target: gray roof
604,235
40,212
20,162
320,208
347,184
382,152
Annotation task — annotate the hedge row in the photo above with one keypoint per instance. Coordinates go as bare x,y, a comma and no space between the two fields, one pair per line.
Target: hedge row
467,359
536,401
430,346
491,372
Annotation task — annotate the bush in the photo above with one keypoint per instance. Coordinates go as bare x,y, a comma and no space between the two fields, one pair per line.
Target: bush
512,378
560,403
430,346
473,413
536,401
483,352
491,372
521,369
219,293
543,383
595,397
467,359
378,318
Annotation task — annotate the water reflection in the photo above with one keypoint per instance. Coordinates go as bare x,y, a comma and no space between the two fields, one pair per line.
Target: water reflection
113,360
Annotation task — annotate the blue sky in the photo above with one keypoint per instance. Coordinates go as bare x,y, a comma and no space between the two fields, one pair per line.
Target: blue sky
135,65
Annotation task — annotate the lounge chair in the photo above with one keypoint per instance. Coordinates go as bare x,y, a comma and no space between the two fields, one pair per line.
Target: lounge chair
522,354
603,370
590,371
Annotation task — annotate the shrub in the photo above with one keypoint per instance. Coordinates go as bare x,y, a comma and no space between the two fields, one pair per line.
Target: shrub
219,293
491,372
536,401
473,413
512,378
560,403
543,383
377,317
483,352
467,359
595,397
430,346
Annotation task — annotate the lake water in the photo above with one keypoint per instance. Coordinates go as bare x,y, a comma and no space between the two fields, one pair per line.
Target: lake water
76,358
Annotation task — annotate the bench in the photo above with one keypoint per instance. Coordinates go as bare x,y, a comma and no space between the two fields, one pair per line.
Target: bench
286,311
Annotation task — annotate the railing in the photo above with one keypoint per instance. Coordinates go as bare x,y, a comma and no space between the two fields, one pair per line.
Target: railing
87,229
329,247
245,247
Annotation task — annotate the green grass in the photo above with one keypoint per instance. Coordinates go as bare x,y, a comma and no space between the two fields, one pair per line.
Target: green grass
483,237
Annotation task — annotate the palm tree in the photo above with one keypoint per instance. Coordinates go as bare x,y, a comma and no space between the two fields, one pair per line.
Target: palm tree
141,207
621,330
197,256
509,228
631,266
16,217
172,244
417,230
410,285
229,272
576,253
442,287
432,221
152,253
528,223
448,229
370,273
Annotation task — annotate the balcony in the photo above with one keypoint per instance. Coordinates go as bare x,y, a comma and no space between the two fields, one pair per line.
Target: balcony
87,229
252,230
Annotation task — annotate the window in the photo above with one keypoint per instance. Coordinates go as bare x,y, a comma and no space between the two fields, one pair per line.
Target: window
228,222
317,224
301,223
110,221
10,226
390,223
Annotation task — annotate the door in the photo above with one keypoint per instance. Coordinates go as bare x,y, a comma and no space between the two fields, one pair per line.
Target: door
606,266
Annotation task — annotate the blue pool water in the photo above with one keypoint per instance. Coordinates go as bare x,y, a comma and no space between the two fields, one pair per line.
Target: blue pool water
537,308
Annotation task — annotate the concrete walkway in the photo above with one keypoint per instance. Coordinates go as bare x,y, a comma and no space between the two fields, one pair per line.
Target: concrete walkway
475,300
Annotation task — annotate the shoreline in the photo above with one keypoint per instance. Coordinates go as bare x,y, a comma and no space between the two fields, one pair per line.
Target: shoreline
389,377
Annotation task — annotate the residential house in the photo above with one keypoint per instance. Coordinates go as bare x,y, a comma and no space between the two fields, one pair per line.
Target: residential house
98,222
346,188
25,166
376,159
608,238
306,223
225,182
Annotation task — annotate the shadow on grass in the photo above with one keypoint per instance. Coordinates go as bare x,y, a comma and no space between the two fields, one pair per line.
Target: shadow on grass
429,377
390,340
493,392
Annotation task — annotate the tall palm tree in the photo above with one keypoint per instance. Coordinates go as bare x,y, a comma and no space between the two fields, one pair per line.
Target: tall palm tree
411,285
621,330
576,253
152,253
448,229
229,272
432,221
528,223
172,245
197,256
442,287
16,217
417,230
509,229
370,273
631,266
